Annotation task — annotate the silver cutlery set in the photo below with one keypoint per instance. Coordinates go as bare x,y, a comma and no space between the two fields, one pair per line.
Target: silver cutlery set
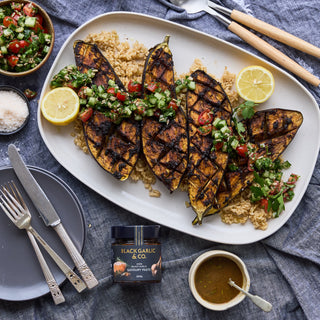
13,205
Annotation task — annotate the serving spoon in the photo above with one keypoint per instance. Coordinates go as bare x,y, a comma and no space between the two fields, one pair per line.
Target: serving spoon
261,303
193,6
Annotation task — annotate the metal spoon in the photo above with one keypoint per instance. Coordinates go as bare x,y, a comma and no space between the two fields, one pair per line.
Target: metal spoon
261,303
193,6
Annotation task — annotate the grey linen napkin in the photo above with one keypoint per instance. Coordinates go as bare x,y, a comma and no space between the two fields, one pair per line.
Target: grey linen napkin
284,268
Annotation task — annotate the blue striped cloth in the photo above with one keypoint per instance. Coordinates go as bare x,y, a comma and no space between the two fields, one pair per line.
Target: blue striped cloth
284,268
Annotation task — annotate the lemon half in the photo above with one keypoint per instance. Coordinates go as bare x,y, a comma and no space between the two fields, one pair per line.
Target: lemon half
255,83
60,106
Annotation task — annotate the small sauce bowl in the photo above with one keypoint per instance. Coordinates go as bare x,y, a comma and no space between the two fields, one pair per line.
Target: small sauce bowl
20,94
208,279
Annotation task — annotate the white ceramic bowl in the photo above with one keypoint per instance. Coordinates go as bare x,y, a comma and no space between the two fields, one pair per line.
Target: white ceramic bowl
218,306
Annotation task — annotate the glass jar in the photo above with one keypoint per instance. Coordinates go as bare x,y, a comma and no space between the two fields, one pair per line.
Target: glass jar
136,254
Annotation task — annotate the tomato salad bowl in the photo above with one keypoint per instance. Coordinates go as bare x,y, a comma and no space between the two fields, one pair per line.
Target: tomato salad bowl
26,37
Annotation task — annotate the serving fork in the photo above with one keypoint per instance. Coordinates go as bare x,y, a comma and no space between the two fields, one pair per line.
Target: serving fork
8,207
19,214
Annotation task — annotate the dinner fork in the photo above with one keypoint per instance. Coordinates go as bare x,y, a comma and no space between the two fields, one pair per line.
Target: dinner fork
21,217
55,291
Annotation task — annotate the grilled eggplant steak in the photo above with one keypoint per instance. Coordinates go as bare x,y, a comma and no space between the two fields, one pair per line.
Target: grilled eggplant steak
206,166
274,129
115,147
165,145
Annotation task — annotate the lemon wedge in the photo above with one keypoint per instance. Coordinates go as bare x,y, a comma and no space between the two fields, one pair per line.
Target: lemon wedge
60,106
255,83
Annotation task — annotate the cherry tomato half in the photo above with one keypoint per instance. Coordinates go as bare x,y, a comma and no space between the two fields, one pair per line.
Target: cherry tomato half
30,9
82,92
264,204
152,86
205,117
7,21
37,27
30,94
39,18
173,105
121,96
218,146
13,60
111,91
242,150
134,86
86,114
23,43
14,46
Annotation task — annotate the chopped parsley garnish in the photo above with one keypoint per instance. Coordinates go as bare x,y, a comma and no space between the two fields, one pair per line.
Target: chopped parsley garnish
246,109
268,187
116,103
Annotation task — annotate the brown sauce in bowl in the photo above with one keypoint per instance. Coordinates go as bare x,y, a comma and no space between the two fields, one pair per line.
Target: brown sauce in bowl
212,276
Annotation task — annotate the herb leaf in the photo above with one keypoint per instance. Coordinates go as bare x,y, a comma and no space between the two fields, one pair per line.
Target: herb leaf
247,109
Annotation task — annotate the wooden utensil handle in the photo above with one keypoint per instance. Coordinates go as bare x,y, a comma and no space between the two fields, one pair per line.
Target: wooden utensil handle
275,33
86,273
273,53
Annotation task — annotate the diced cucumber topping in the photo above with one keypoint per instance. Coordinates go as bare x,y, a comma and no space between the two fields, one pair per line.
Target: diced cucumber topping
7,32
3,50
234,143
158,95
191,85
216,121
19,29
89,92
111,83
225,130
30,22
92,101
221,124
152,100
20,36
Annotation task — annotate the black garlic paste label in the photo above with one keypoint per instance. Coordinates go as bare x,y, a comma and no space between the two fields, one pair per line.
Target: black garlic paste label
136,263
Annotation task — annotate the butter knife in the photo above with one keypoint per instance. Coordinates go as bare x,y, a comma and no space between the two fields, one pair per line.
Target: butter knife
49,214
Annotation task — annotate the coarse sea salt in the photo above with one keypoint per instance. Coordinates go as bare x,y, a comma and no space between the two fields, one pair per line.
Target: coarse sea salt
13,111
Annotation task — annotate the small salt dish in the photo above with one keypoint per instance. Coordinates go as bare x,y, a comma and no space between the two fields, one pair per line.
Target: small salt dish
8,88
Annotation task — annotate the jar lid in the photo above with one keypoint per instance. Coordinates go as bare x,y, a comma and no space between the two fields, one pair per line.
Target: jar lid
129,232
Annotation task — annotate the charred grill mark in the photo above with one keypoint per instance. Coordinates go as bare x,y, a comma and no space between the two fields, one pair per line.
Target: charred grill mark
165,145
115,147
287,123
272,123
206,166
88,56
